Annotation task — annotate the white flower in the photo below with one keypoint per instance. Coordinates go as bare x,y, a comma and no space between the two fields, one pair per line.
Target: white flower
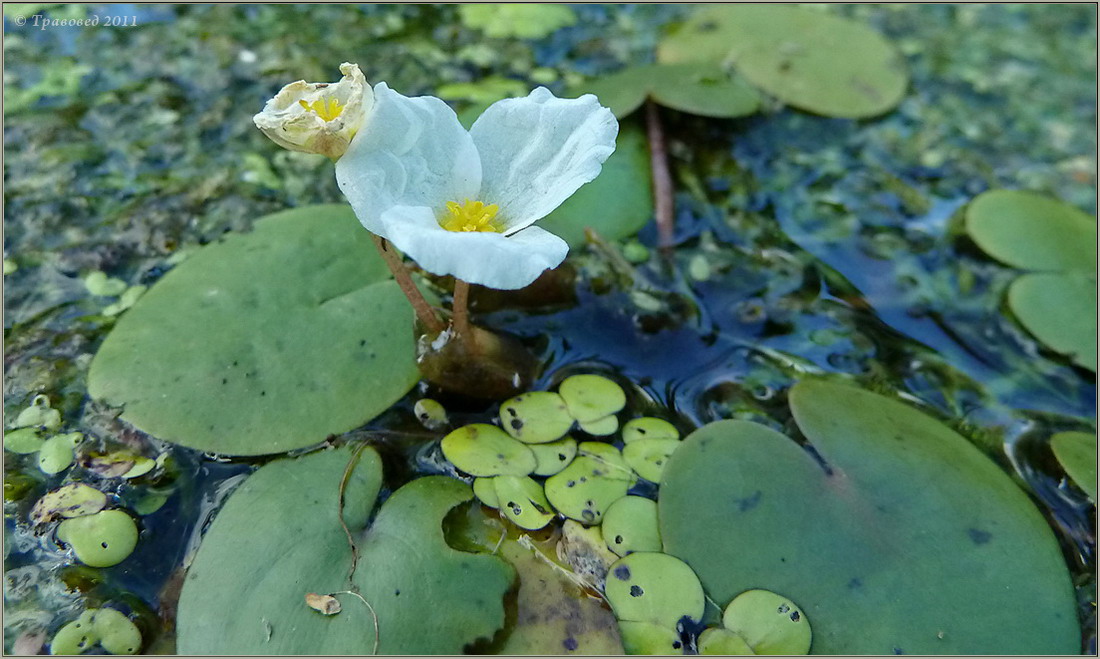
318,117
463,203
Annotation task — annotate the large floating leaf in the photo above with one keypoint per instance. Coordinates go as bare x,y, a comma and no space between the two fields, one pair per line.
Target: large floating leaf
1077,453
1060,310
808,58
1033,232
908,539
263,342
279,538
617,203
526,21
702,89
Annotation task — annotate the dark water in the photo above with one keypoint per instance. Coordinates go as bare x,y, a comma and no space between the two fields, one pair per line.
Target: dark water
829,245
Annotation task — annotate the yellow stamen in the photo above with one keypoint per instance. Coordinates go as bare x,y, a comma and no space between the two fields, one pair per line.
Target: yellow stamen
471,216
325,108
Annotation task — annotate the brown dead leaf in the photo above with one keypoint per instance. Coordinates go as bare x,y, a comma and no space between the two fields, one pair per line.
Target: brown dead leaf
326,604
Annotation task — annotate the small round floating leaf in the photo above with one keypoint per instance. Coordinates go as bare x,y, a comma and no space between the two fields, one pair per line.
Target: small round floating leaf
523,502
100,540
73,500
430,413
769,623
1077,453
480,449
655,588
591,397
553,457
721,641
648,457
23,440
1059,308
601,427
142,466
150,503
810,59
117,633
648,427
618,202
630,525
39,415
648,638
595,479
486,492
536,417
1031,231
263,342
56,453
98,283
531,21
77,637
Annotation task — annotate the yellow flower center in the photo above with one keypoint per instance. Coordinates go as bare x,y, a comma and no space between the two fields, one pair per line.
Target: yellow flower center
471,216
325,108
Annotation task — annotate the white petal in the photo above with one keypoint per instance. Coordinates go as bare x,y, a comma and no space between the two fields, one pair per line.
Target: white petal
410,152
536,151
489,259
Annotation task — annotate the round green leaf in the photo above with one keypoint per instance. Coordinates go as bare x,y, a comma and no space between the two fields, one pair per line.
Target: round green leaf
717,640
617,203
23,440
56,453
77,637
769,623
630,525
591,397
117,633
1059,308
523,502
654,588
1031,231
810,59
480,449
553,457
263,342
536,417
647,457
884,549
531,21
601,427
486,491
648,427
648,638
100,540
431,413
595,479
39,415
696,88
1077,453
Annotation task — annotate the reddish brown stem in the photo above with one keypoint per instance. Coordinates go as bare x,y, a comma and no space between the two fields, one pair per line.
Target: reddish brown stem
401,275
662,179
460,313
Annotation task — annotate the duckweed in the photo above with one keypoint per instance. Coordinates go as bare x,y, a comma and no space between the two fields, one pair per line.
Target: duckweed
480,449
647,457
536,417
655,588
523,502
769,623
630,525
100,540
648,427
553,457
591,397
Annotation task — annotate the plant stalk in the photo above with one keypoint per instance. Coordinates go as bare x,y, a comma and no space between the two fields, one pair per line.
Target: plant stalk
662,179
460,312
401,275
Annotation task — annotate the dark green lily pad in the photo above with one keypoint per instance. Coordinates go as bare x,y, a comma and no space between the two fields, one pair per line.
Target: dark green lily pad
536,417
263,342
1077,453
1031,231
696,88
617,203
810,59
1059,308
630,525
655,588
769,623
433,599
886,550
480,449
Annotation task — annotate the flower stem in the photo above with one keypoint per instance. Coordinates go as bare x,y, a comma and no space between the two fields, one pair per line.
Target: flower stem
401,275
662,179
460,313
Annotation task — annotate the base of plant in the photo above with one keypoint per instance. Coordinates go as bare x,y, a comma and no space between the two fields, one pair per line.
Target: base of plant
479,364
